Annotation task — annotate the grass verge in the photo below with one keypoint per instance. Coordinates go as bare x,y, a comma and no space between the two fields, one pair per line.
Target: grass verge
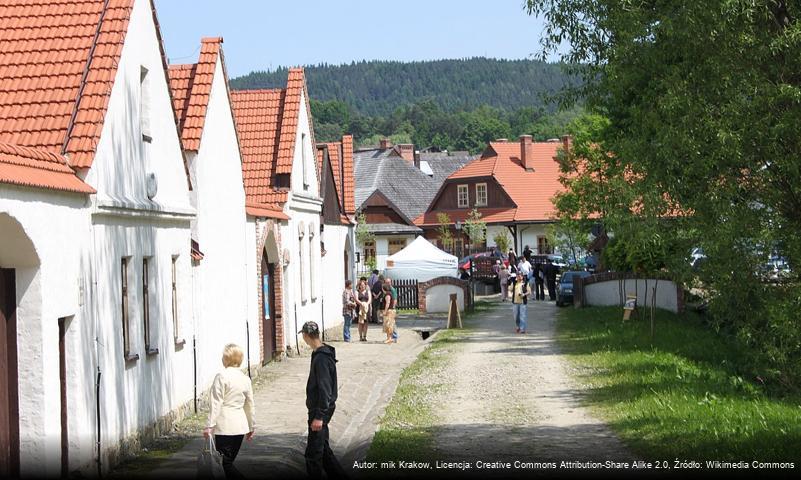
683,395
406,428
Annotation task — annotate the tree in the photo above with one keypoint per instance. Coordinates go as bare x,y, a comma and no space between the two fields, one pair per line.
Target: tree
570,238
502,240
702,102
363,233
444,230
475,228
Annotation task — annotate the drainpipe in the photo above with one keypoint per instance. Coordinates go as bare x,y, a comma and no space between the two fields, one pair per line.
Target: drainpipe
96,327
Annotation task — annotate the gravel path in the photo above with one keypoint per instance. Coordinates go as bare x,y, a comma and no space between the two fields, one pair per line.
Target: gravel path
509,397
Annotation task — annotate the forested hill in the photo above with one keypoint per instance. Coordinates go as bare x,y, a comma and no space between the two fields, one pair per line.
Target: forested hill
377,88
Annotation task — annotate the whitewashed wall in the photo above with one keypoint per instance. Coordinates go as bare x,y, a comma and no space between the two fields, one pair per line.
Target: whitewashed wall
219,228
136,394
438,298
336,241
382,248
42,234
608,293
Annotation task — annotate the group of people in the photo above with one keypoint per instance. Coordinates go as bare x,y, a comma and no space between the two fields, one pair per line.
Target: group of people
231,414
520,278
370,297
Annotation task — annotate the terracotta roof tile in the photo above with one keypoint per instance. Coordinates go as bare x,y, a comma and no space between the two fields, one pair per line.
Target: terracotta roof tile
531,191
38,168
348,175
45,48
258,118
336,167
191,87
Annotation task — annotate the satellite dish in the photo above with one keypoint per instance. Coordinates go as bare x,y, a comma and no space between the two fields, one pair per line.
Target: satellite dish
152,185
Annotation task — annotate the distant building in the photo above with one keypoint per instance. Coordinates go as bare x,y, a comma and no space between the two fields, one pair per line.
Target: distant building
512,185
394,185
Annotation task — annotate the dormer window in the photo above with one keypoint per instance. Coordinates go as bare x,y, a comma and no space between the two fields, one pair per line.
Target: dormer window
481,194
462,198
144,104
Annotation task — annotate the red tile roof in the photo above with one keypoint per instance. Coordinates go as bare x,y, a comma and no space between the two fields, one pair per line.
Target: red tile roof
38,168
531,191
347,170
336,167
53,52
267,122
191,88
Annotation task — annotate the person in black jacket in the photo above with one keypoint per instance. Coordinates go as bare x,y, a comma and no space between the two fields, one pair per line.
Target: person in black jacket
550,278
321,397
377,290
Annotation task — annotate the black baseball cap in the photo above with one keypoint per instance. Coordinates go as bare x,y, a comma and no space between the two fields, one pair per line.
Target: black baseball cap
311,328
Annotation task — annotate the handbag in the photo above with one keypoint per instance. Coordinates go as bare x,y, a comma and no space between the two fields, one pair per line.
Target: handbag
210,462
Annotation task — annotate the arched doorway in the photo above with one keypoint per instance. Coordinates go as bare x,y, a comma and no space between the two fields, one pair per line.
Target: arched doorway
269,310
19,265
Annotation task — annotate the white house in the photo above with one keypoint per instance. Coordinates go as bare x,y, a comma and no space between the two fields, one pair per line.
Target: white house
102,275
284,207
223,260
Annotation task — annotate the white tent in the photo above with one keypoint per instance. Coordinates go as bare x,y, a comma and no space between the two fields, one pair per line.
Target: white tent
421,261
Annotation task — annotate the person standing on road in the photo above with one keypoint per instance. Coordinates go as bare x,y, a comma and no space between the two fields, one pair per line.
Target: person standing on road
364,299
550,277
348,306
373,279
524,267
321,397
519,291
377,290
512,262
503,278
539,281
389,313
232,410
394,292
527,254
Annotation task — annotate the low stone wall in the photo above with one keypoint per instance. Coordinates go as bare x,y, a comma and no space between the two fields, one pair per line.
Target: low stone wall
434,295
612,288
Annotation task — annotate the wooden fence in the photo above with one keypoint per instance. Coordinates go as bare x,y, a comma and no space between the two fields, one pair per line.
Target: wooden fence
407,294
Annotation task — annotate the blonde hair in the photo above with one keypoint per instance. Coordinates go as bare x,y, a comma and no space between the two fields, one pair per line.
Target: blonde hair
232,355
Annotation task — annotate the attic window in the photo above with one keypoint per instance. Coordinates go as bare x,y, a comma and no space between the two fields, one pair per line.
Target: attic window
481,194
144,103
425,167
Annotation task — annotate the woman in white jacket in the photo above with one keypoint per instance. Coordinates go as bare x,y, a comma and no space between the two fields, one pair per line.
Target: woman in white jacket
232,410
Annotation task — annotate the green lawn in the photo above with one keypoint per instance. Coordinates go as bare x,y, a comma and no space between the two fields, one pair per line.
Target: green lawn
682,397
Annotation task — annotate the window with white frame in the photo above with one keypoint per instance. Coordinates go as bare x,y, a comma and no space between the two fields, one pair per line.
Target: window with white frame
462,196
176,328
481,194
147,264
313,252
302,263
144,103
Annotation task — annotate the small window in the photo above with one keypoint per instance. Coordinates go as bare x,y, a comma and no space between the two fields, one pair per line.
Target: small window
481,194
312,263
175,324
126,326
303,160
302,263
144,104
543,247
146,305
396,245
369,251
462,196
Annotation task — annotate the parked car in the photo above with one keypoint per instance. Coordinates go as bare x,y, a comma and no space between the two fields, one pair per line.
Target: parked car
564,290
558,261
464,262
591,263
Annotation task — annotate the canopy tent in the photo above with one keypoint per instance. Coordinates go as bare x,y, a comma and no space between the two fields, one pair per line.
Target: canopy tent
421,261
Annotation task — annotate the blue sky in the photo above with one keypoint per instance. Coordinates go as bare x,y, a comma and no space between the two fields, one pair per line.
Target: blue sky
265,34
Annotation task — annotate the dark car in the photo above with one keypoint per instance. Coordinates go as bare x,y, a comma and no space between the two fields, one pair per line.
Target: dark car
564,291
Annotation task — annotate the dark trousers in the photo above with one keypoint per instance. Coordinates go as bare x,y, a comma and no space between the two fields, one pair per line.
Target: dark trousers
228,446
552,289
539,289
319,456
374,311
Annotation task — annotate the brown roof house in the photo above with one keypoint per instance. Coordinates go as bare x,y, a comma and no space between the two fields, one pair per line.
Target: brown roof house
395,185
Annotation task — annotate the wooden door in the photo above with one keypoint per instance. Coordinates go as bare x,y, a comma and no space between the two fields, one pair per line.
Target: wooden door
62,375
268,308
9,407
